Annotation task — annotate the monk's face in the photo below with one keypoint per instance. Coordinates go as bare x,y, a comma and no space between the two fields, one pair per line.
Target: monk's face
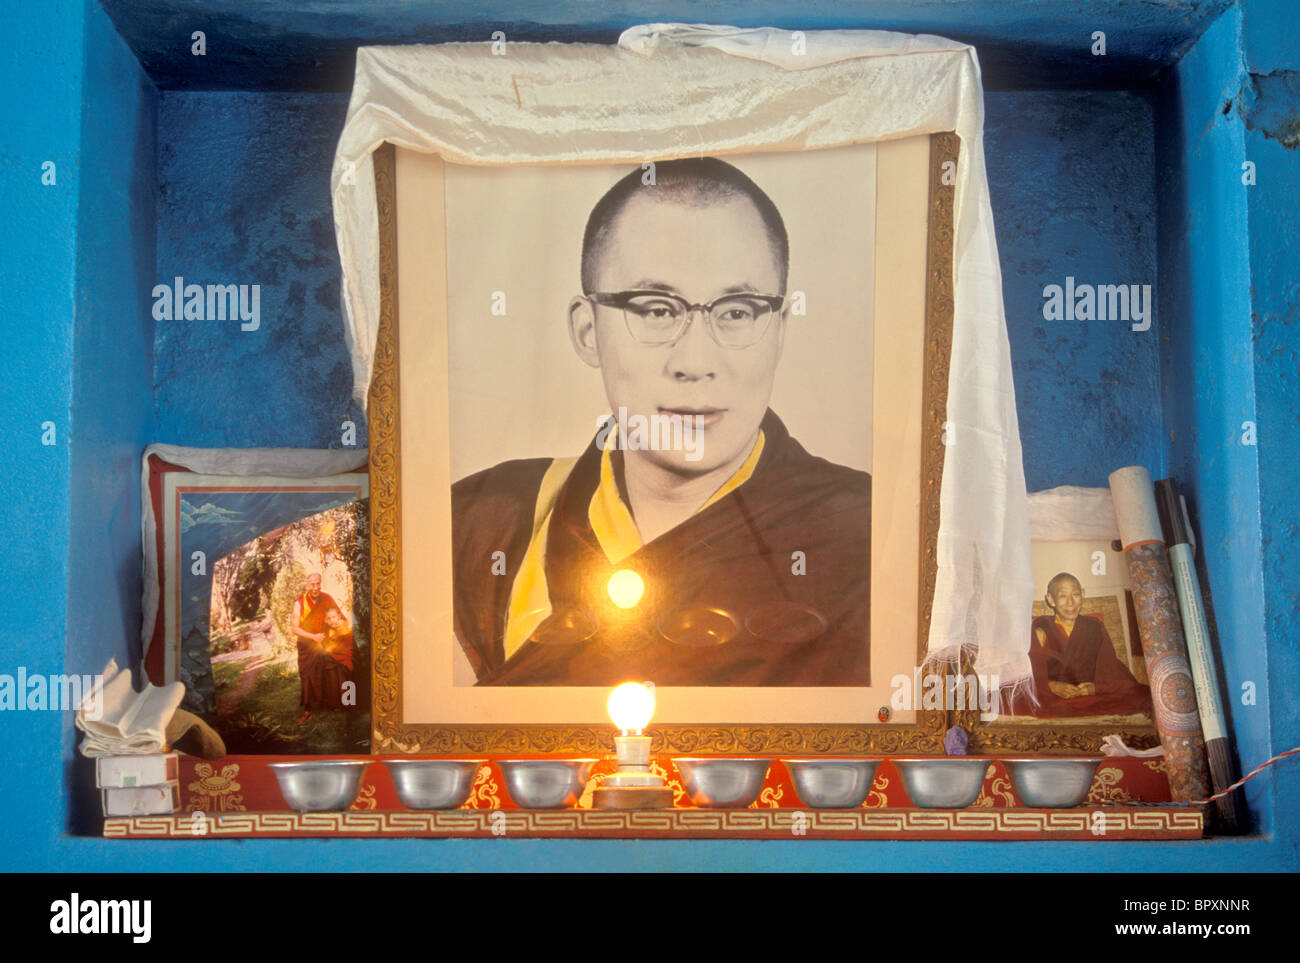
313,587
700,254
1067,598
333,619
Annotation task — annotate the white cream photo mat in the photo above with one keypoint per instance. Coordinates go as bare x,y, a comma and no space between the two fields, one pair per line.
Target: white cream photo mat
886,343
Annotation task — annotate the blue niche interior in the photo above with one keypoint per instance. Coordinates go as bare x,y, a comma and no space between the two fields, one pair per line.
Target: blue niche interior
1123,168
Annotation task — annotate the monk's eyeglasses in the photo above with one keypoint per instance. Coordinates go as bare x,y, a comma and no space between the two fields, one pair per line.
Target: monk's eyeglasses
657,318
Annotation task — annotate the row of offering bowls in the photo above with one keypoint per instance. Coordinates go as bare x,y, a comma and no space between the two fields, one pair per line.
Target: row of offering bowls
937,782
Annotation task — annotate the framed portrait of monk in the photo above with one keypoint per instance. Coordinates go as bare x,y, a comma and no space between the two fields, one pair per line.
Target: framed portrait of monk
676,421
1089,677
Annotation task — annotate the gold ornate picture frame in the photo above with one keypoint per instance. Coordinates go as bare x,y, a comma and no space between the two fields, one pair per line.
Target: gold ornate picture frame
1014,735
918,262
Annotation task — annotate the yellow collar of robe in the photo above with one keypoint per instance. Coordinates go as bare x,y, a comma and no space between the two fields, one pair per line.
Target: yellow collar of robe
611,522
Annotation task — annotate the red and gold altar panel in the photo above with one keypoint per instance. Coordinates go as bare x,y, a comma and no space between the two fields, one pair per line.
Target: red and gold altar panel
238,796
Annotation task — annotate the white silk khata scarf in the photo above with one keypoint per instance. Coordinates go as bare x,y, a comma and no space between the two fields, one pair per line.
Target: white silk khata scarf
673,90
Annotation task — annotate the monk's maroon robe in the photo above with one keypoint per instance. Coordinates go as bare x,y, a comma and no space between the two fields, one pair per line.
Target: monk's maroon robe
321,674
1086,655
723,604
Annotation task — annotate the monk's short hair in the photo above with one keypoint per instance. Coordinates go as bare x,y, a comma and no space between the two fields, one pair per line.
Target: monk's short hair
691,181
1060,577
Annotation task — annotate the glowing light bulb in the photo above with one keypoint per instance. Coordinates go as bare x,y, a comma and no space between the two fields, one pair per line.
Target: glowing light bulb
626,588
631,705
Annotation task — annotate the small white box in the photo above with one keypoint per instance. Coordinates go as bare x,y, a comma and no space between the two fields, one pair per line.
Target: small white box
124,772
142,800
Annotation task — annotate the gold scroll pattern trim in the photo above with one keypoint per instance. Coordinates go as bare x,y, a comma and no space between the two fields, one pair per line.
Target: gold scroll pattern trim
1106,787
877,798
215,792
485,793
365,798
721,822
995,792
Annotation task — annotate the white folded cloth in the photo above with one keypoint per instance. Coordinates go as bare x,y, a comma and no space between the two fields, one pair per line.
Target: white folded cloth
118,721
1114,745
679,90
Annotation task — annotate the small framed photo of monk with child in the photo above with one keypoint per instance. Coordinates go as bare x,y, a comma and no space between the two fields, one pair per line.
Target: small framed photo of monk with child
671,421
263,600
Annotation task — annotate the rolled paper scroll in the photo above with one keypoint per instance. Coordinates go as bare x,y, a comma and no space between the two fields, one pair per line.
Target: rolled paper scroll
1173,693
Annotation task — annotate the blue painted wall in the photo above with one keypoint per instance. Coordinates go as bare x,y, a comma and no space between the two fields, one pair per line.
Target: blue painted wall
111,415
241,197
1206,359
1072,181
37,274
243,184
1272,58
310,44
112,405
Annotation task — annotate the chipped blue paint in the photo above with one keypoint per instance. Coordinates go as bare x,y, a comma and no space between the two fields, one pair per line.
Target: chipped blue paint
1272,106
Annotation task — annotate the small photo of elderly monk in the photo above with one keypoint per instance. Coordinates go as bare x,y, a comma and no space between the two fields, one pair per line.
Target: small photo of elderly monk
694,541
1077,671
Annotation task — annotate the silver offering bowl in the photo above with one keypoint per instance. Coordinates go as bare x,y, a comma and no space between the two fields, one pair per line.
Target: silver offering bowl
943,782
433,783
832,783
546,783
1052,783
322,786
722,782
